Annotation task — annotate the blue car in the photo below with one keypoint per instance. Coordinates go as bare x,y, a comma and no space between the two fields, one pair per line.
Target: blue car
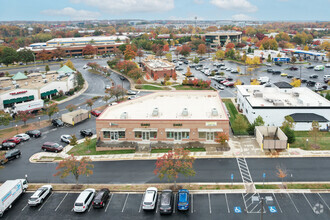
183,200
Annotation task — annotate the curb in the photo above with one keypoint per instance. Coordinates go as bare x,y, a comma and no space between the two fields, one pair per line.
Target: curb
76,95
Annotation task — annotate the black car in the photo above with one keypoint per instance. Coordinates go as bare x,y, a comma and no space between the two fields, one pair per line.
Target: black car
289,76
303,80
278,63
57,122
186,62
276,72
311,83
314,76
293,68
229,79
310,67
122,78
34,133
166,202
270,70
86,132
7,146
101,198
11,155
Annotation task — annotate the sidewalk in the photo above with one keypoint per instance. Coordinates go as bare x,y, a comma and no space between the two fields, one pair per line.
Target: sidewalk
239,147
75,95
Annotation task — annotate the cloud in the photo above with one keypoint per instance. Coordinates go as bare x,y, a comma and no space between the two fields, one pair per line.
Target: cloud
242,17
199,1
72,13
235,5
122,6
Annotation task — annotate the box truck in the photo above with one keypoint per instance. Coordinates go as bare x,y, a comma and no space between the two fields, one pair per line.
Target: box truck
75,117
10,191
28,106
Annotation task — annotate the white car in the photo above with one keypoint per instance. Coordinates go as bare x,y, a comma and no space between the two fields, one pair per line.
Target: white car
23,137
66,138
223,68
84,199
39,196
85,66
150,198
132,97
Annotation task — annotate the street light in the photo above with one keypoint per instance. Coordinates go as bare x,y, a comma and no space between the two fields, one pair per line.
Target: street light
16,129
39,121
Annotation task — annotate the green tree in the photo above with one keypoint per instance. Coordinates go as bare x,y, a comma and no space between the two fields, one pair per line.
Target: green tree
8,56
173,163
106,98
71,165
289,133
169,56
70,64
71,107
5,118
80,79
73,141
24,116
51,110
293,59
257,122
47,68
220,54
25,55
196,60
116,91
327,96
240,124
269,59
288,122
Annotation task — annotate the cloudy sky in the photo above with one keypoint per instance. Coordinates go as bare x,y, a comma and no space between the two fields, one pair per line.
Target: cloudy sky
165,9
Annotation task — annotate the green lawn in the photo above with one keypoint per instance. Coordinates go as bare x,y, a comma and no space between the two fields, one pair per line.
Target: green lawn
60,98
267,186
165,150
150,87
82,149
322,142
182,87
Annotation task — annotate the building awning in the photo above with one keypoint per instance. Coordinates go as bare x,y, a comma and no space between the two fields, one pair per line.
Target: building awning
177,130
49,93
145,129
210,130
113,129
20,99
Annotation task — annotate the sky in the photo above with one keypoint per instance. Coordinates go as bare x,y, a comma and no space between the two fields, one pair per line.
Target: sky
260,10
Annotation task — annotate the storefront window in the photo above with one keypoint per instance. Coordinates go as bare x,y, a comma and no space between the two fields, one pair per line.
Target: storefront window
138,134
185,135
121,134
106,134
153,134
202,134
169,134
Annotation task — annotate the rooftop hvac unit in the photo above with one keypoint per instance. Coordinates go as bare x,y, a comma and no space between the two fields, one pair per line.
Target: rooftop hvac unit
16,86
26,83
155,112
278,103
257,94
123,115
43,76
14,82
45,80
214,112
295,94
185,112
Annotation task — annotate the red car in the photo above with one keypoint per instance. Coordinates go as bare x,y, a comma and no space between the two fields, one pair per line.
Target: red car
224,81
13,140
96,113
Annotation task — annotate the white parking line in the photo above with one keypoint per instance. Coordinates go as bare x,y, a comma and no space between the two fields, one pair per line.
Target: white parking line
174,203
210,204
61,202
323,200
125,203
192,203
24,207
45,202
277,203
308,202
89,208
141,202
108,203
227,203
293,202
157,205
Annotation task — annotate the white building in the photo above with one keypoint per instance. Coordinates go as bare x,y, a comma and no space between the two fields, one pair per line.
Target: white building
80,41
264,54
274,103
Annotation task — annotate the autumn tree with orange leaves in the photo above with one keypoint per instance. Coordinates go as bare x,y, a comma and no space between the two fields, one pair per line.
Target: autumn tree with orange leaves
129,53
173,163
71,165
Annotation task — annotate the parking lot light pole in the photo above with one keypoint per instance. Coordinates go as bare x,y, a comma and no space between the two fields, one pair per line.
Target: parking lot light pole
39,121
300,74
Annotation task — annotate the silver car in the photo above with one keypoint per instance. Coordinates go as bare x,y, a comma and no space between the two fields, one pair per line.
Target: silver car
39,196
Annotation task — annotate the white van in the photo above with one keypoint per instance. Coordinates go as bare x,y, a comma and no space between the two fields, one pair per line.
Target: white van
326,78
263,79
319,68
84,200
150,198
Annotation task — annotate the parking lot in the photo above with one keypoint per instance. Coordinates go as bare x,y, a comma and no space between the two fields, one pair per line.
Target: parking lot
202,206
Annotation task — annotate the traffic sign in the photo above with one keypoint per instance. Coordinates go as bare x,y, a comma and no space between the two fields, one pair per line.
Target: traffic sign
272,209
237,209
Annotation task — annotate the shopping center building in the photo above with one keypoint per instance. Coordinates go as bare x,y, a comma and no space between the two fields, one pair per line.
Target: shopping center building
159,68
171,116
222,38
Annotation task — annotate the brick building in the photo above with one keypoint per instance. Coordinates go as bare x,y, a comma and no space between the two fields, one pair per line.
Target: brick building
158,67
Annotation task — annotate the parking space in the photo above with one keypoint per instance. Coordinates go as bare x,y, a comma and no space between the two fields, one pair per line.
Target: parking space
202,206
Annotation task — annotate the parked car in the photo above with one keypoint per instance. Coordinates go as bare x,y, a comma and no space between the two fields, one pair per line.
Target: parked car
166,202
303,80
270,70
224,81
327,65
85,66
84,200
34,133
51,146
11,155
293,68
326,78
229,79
122,78
23,137
131,92
96,113
150,199
220,87
40,195
107,87
183,200
278,63
132,97
319,68
234,71
310,67
314,76
284,74
289,76
101,198
311,83
15,140
57,122
7,146
276,72
66,138
86,133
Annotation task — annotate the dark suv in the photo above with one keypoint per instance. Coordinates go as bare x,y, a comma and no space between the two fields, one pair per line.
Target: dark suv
34,133
86,133
101,198
57,122
11,155
166,202
7,146
50,146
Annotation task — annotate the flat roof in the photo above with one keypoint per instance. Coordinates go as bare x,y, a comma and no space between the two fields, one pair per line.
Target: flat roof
156,63
94,38
224,33
170,105
261,96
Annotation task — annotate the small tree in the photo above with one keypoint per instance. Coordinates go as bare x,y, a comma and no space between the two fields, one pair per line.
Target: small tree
24,116
173,163
116,91
71,107
315,132
168,56
281,173
73,141
221,137
70,64
47,68
5,118
106,98
71,165
90,103
87,143
257,122
188,73
51,110
240,125
3,158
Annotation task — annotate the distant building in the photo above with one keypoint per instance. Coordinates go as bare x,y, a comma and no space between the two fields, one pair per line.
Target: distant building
158,67
83,41
274,103
222,38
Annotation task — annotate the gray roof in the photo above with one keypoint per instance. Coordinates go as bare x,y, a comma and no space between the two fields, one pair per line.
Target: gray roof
283,85
307,117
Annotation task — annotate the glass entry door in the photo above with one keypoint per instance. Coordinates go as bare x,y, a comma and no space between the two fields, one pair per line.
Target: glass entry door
209,136
177,136
114,135
145,135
